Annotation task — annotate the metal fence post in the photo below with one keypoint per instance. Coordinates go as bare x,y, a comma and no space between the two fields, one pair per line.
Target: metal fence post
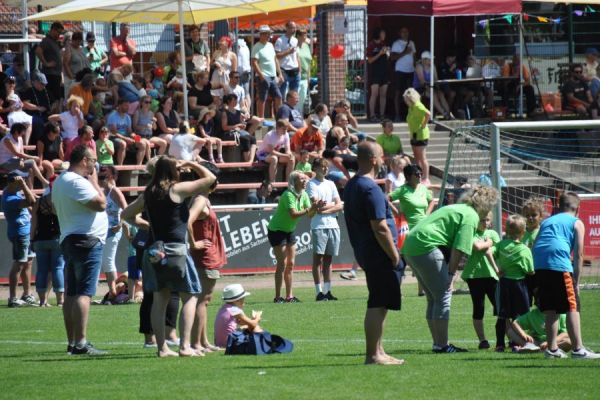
496,167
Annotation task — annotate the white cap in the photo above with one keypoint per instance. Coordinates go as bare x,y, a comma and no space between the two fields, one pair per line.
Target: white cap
264,28
425,54
234,292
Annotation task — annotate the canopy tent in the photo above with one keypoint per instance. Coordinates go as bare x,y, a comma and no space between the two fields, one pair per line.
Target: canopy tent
301,15
167,12
444,8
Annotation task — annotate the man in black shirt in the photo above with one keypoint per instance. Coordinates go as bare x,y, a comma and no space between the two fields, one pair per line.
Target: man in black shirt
37,101
577,92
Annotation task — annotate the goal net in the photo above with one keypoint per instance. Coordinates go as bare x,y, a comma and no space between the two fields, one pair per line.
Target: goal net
532,160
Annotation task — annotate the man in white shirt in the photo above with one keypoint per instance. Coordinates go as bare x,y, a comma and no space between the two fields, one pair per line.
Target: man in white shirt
80,205
286,48
244,69
402,52
237,89
324,226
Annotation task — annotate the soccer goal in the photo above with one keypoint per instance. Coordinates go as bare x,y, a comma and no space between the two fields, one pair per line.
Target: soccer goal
531,159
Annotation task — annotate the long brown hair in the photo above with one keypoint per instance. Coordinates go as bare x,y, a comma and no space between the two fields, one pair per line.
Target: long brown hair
164,176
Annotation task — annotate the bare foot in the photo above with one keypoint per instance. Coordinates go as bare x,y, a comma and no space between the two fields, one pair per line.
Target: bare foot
199,350
190,353
394,360
167,353
210,348
382,360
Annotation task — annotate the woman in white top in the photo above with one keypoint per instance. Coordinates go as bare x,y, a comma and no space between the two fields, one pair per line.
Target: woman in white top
13,156
224,61
395,178
13,106
144,123
275,149
185,146
70,120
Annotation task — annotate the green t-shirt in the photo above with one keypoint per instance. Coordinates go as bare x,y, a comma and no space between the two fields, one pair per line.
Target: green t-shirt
265,54
304,167
452,226
529,237
104,157
413,202
513,258
416,113
391,144
282,221
534,324
478,266
305,59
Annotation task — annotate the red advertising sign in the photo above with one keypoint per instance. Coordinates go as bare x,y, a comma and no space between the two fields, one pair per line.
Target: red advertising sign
589,213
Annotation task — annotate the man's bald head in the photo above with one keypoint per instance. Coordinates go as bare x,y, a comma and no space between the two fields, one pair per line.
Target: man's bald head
369,156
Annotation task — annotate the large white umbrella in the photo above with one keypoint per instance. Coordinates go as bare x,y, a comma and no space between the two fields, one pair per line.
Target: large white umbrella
167,12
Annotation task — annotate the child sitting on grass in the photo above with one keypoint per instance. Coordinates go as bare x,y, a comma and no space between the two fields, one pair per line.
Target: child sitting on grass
231,315
528,332
514,262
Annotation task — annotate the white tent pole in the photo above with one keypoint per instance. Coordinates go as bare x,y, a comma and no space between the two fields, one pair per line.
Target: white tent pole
521,65
431,74
182,55
25,30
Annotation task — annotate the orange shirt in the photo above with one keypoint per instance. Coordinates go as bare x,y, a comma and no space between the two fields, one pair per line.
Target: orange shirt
509,70
86,95
303,141
115,61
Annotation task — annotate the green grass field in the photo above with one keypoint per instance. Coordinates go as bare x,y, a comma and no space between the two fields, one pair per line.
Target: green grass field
326,362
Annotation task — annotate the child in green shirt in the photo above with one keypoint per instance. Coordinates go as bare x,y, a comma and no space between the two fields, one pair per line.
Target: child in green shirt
514,262
528,332
104,148
304,164
481,274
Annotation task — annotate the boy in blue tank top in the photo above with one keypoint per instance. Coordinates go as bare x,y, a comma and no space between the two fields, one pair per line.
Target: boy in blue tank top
558,278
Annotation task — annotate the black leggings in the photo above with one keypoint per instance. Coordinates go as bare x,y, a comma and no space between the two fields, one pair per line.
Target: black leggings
479,288
146,308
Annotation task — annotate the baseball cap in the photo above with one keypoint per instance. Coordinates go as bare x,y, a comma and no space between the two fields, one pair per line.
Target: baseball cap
592,50
90,37
315,122
264,29
426,54
39,77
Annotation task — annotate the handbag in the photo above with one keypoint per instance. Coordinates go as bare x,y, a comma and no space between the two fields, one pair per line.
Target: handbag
140,240
169,260
256,343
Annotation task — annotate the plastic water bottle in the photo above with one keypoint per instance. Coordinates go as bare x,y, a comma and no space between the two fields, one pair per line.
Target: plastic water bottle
157,256
458,74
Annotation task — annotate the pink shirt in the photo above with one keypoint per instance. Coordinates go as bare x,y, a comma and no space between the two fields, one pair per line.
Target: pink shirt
70,145
225,323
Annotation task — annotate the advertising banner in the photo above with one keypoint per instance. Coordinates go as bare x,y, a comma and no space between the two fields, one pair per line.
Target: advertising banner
246,245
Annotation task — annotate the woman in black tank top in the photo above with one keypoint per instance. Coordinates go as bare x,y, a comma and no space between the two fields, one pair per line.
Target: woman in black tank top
165,202
167,120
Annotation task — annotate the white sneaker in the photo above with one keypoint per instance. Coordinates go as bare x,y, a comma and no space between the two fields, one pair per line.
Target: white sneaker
558,353
529,348
150,345
585,354
16,302
170,342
